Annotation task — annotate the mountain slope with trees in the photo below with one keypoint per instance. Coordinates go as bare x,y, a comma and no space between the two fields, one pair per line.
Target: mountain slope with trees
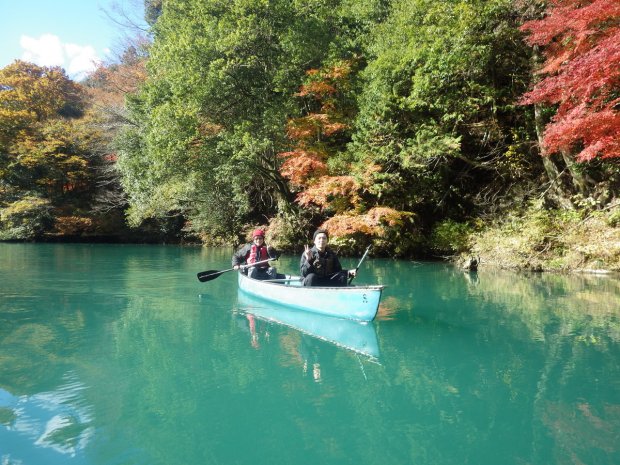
429,129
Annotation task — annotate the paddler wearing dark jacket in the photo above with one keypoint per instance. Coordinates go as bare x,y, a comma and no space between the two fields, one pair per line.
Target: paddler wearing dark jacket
319,265
254,252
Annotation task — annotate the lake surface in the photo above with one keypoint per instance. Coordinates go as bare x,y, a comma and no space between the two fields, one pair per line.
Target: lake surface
118,355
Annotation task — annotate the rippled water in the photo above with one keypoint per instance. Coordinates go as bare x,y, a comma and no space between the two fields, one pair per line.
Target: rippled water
118,355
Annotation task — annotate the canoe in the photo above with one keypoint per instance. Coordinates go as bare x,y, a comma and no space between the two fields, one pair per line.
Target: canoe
357,336
351,302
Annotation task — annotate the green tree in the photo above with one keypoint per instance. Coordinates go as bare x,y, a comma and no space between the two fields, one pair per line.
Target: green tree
211,119
437,111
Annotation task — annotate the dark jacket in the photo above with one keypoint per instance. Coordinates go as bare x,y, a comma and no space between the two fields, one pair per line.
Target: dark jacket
241,256
322,264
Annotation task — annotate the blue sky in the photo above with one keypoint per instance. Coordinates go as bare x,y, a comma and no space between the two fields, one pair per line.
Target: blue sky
73,34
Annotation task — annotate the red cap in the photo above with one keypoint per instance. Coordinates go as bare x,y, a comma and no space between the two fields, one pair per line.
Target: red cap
258,232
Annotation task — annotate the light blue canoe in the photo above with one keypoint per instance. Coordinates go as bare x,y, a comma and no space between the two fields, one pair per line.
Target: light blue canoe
351,302
357,336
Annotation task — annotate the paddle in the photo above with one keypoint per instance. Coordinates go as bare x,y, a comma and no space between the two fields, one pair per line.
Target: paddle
360,263
209,275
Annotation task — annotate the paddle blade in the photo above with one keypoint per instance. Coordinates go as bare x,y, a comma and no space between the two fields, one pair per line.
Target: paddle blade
204,276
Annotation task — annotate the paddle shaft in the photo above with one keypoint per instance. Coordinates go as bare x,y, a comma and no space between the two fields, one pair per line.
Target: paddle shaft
209,275
360,263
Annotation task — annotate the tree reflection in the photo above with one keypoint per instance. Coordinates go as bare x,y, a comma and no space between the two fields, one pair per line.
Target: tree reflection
164,375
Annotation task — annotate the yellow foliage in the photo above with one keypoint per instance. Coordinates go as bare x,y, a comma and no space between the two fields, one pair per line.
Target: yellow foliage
22,207
34,92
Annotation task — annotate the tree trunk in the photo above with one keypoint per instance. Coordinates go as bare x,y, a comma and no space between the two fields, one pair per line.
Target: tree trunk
579,179
557,192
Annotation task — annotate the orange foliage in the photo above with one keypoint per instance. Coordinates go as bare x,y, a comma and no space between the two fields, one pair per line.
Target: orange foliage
302,129
107,88
306,165
313,126
329,129
300,165
71,225
386,216
373,222
325,82
109,84
317,88
327,188
206,130
347,225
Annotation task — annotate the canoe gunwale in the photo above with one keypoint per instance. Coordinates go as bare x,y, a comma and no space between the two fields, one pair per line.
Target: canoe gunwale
349,302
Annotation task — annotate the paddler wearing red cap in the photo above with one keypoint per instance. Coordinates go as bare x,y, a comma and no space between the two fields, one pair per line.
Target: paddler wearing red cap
256,251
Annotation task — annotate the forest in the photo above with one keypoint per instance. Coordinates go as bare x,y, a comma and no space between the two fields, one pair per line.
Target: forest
429,129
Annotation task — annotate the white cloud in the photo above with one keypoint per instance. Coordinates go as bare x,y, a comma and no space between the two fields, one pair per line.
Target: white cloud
81,59
49,50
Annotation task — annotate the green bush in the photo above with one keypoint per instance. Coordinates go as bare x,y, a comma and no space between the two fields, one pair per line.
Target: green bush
450,237
27,218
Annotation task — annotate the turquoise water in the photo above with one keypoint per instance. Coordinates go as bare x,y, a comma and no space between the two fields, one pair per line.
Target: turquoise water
118,355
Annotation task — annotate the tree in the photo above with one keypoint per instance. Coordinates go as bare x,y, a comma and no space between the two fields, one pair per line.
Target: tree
581,76
31,94
44,154
211,118
319,168
436,109
108,88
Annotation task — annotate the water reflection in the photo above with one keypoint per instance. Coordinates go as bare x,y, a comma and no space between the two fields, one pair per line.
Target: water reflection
352,335
55,423
158,375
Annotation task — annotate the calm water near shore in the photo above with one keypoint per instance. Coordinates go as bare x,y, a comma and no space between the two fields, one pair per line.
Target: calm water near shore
117,354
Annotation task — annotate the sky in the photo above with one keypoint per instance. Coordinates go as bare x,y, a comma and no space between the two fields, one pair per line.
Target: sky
73,34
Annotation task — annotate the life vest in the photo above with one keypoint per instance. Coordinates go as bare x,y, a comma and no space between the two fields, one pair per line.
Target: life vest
257,254
323,266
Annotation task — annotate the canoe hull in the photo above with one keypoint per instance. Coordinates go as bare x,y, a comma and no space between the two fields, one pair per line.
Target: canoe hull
351,302
358,336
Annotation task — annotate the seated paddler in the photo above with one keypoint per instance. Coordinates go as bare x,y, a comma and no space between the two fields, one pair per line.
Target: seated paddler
259,253
319,265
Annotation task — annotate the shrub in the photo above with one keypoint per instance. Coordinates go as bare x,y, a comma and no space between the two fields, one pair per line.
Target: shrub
450,237
27,218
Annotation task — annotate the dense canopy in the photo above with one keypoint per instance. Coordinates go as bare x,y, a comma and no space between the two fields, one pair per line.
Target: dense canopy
403,123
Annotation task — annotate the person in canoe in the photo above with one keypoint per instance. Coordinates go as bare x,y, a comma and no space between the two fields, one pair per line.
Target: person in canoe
254,252
319,265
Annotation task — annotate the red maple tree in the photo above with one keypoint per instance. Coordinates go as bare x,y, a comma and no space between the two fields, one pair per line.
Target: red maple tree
581,41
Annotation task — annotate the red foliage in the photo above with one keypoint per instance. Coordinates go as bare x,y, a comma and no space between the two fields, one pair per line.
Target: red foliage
582,75
598,132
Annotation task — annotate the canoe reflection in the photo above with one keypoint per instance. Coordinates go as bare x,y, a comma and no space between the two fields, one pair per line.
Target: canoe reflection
359,337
